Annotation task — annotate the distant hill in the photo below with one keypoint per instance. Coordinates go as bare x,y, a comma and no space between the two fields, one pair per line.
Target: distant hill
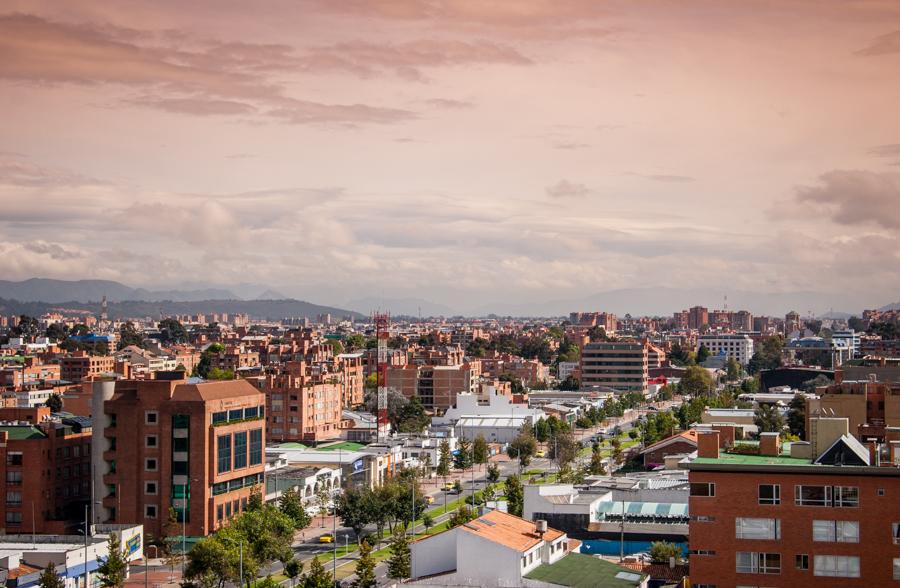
893,306
401,306
56,291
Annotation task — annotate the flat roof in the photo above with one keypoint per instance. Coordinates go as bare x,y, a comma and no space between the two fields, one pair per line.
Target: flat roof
20,433
585,571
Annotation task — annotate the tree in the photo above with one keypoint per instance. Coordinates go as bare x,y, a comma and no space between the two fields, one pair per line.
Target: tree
443,467
597,466
597,333
129,335
411,417
696,380
268,582
219,374
796,417
356,341
28,326
480,450
584,422
113,567
336,346
542,430
493,473
49,578
57,332
661,551
462,459
399,563
515,495
702,354
768,356
171,331
365,567
355,506
515,383
563,448
817,382
463,515
54,403
523,447
571,383
427,521
291,505
732,369
293,568
323,496
318,576
768,418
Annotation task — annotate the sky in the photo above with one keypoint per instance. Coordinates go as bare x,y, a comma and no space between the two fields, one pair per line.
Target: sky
464,152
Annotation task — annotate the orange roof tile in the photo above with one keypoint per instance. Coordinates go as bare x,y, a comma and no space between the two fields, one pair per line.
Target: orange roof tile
508,530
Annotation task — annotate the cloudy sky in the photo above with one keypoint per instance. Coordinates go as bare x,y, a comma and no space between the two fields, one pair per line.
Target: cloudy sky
466,152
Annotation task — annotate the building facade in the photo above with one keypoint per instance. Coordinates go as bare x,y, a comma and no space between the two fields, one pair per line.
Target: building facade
622,366
737,347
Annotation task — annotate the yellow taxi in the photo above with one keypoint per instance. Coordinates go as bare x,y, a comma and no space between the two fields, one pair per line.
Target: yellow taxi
326,538
541,454
429,500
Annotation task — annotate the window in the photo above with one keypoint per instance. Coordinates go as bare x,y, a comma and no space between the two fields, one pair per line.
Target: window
769,494
219,417
881,491
846,496
757,528
251,413
751,562
150,511
220,510
240,450
13,478
256,448
14,458
151,440
149,487
812,495
228,509
897,568
224,453
236,414
842,566
151,417
802,561
13,518
13,498
150,465
836,531
895,533
703,489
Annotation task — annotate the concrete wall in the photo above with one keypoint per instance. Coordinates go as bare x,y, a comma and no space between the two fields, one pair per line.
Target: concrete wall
492,564
434,555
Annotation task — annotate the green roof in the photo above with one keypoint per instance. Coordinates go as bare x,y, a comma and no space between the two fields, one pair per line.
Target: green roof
21,433
292,445
344,446
584,571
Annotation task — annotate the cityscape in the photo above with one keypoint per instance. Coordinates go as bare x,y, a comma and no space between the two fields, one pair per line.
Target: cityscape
451,293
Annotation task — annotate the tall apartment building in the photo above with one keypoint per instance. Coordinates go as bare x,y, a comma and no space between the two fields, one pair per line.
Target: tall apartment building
738,347
80,365
622,366
697,317
197,448
435,385
819,513
300,407
353,380
46,469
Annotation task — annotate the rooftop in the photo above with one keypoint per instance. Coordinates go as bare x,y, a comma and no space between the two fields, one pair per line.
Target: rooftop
508,530
20,433
585,571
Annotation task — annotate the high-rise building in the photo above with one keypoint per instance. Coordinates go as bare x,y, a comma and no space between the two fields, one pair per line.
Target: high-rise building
698,316
622,366
197,448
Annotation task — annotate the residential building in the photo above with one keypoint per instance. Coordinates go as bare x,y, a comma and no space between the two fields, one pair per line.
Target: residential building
697,317
680,443
869,405
197,447
435,385
513,546
80,365
621,366
566,369
300,406
815,513
737,347
46,465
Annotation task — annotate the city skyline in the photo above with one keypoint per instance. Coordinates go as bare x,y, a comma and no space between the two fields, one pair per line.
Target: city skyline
468,154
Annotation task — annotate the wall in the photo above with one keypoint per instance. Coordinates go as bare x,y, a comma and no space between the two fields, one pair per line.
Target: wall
434,555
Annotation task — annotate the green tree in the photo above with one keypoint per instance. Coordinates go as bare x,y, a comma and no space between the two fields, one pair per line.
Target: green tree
336,346
597,466
268,582
480,450
57,332
323,497
171,331
768,418
563,448
411,417
463,515
443,467
317,577
356,508
356,341
28,326
427,521
54,403
523,447
400,561
732,369
515,495
571,383
493,473
293,568
767,356
49,578
696,380
291,505
219,374
113,567
702,354
661,551
365,567
129,335
542,430
796,417
463,457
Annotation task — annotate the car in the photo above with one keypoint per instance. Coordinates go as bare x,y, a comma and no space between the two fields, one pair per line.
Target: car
541,454
326,538
429,500
447,487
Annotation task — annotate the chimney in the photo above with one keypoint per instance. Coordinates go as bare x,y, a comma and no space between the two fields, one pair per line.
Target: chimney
708,444
769,444
726,434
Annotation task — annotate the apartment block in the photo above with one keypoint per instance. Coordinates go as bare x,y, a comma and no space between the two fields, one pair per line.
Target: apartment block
621,366
737,347
820,513
301,408
869,406
435,385
197,448
80,365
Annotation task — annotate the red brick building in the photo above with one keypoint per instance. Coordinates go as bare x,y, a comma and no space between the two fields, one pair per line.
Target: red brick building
198,448
80,365
819,513
303,403
46,469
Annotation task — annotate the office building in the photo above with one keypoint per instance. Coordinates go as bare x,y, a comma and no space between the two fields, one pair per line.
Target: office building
620,366
737,347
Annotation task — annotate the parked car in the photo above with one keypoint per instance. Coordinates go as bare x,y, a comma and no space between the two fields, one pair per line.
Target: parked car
326,538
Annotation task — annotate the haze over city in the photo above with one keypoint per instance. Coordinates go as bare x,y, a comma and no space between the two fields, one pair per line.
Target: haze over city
472,156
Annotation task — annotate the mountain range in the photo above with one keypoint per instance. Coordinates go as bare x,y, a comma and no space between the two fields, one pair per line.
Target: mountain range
55,291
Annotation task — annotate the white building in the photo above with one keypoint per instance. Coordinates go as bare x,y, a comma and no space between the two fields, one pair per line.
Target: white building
739,347
566,368
850,339
467,406
496,549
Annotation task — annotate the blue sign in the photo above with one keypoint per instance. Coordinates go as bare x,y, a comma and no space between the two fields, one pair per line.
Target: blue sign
132,545
357,466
